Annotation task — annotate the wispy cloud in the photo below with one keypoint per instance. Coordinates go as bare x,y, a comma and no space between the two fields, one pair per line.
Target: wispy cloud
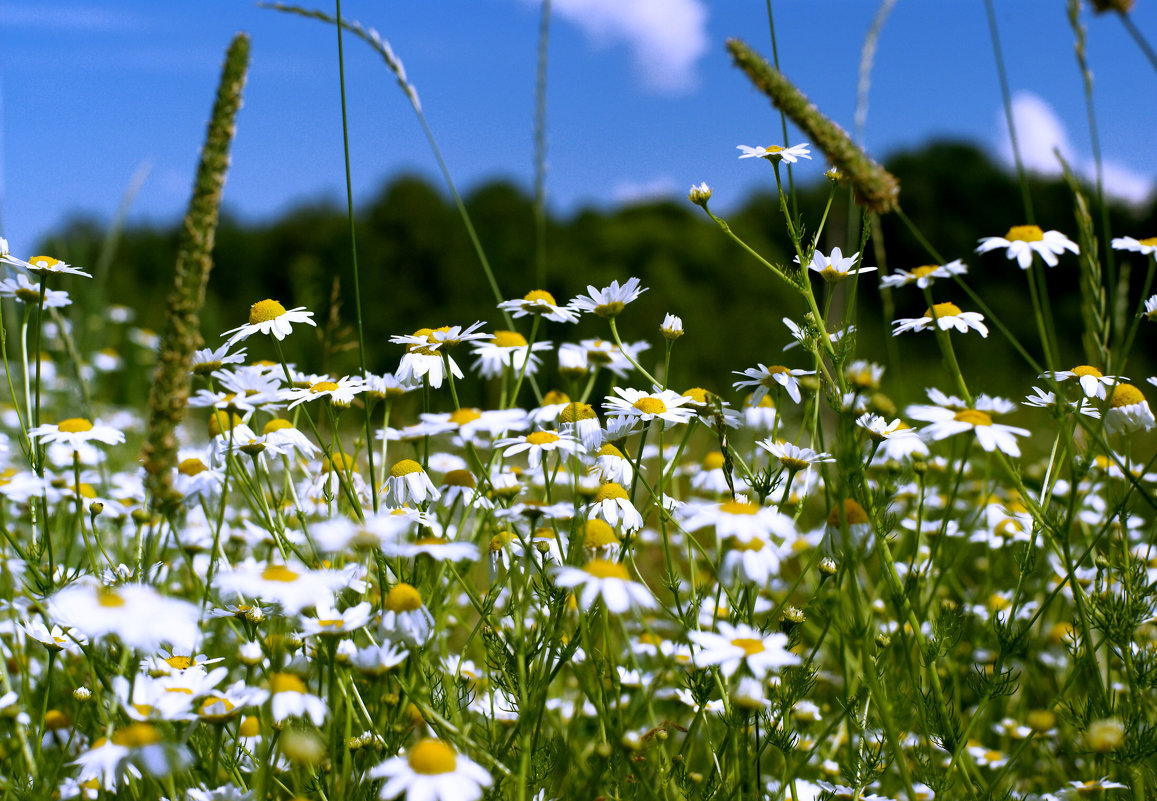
666,37
69,17
629,192
1041,135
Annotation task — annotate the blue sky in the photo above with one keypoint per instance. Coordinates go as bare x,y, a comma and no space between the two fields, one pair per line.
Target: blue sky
642,98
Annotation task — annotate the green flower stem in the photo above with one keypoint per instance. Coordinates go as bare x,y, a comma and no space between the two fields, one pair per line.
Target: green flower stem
619,343
525,364
946,349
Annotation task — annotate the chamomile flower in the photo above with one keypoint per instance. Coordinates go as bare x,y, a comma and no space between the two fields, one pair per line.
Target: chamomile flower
775,153
947,422
742,645
27,292
613,504
609,301
409,483
1147,246
1128,410
943,316
1094,383
293,585
206,360
289,699
341,393
537,444
97,611
405,616
608,581
836,267
41,264
76,432
540,303
764,378
507,350
269,317
662,404
431,771
924,275
1022,241
793,457
1150,312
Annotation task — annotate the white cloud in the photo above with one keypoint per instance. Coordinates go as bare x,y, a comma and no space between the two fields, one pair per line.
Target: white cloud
628,192
667,37
1041,134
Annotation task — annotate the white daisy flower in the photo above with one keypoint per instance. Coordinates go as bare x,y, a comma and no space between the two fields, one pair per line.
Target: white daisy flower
609,301
612,504
947,422
944,316
23,290
536,444
97,611
742,645
1147,246
76,432
431,771
1094,383
290,700
507,350
540,303
40,264
793,457
672,327
775,153
924,276
1128,410
664,404
764,378
269,317
341,393
836,267
206,360
608,581
409,483
1022,241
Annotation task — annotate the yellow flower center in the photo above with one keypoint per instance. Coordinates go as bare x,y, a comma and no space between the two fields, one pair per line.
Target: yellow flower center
542,438
650,405
601,568
216,706
1082,370
610,491
191,467
137,735
250,727
54,719
1125,395
108,598
749,545
738,508
180,662
1025,233
610,450
508,339
943,310
74,425
925,269
750,645
573,412
276,424
854,514
221,421
973,417
323,386
538,296
555,397
405,467
403,598
1149,242
44,262
773,148
265,310
460,478
598,534
697,394
285,683
338,461
609,309
431,757
500,540
463,416
279,573
713,461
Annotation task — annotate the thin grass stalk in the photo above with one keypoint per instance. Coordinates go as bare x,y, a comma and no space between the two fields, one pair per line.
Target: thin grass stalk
349,192
782,116
169,393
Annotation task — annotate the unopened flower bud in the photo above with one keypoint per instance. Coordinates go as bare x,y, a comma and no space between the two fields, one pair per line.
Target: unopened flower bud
700,194
672,328
82,694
